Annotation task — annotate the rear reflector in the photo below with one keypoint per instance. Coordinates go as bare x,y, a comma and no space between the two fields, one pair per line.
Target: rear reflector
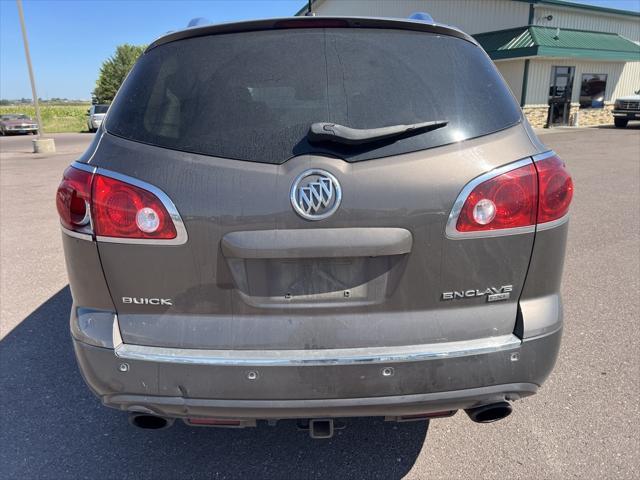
426,416
214,422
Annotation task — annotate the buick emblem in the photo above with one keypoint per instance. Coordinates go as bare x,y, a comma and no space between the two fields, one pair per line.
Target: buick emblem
315,194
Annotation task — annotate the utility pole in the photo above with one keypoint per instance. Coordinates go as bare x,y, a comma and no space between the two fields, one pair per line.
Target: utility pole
41,145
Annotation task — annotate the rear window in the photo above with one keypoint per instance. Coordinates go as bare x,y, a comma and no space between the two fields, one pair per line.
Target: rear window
100,109
253,96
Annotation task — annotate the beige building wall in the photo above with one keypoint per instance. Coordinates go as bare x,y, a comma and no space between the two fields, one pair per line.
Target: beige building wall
513,72
477,16
623,78
471,16
624,25
629,80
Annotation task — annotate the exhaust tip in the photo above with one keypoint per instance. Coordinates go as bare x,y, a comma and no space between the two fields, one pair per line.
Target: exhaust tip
149,422
489,413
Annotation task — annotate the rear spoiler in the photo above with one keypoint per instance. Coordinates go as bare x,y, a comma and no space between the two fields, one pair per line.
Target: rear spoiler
417,25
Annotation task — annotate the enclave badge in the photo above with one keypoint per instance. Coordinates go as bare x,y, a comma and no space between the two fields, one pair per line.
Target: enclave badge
493,294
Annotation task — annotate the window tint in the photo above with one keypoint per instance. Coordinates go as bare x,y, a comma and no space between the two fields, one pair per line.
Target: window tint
100,109
592,90
253,96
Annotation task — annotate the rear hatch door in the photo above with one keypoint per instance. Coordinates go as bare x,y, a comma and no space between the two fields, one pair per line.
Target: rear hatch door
226,140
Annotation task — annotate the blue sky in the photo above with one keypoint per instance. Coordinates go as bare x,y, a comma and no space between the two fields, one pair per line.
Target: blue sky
70,39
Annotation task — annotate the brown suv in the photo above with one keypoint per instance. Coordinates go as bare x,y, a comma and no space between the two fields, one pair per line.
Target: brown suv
315,218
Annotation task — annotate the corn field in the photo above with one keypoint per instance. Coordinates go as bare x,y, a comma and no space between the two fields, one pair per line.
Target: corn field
55,118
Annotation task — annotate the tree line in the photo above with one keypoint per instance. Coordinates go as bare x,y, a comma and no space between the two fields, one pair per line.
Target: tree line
114,70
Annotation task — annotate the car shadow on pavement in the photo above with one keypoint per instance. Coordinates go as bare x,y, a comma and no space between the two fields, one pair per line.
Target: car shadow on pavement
53,427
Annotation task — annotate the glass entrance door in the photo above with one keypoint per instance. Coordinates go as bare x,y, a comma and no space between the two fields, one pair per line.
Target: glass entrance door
560,95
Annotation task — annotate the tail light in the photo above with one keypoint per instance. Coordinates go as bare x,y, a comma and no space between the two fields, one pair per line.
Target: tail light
73,200
556,189
123,210
115,209
506,201
517,196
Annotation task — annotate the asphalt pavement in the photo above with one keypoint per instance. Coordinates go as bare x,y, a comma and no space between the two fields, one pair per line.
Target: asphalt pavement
584,422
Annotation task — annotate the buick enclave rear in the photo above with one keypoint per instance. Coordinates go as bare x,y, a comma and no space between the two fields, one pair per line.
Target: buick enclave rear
314,218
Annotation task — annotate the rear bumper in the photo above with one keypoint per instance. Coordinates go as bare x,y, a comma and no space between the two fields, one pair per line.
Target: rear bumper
382,385
389,406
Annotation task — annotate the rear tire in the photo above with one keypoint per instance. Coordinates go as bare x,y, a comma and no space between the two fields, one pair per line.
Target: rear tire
620,122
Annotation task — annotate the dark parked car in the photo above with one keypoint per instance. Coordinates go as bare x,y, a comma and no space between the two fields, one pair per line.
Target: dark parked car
315,218
17,123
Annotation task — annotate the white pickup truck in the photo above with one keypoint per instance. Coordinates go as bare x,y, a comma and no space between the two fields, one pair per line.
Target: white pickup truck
95,115
625,109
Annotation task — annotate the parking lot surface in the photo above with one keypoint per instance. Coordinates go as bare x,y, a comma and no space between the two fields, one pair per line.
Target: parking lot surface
582,424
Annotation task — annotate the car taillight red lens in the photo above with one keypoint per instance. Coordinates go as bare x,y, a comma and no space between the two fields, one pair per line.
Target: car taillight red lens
506,201
556,189
73,199
93,203
538,192
123,210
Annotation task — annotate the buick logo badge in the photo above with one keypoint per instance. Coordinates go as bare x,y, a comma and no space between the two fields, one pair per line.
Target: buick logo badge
315,194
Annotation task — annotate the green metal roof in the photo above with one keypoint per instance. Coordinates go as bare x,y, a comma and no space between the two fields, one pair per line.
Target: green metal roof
530,41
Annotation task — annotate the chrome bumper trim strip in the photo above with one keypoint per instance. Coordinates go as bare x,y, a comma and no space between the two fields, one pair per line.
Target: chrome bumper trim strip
297,358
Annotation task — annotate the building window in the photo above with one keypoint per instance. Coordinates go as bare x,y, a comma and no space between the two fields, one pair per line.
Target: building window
592,90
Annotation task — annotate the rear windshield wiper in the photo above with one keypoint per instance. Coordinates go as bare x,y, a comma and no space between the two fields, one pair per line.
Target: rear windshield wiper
334,132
